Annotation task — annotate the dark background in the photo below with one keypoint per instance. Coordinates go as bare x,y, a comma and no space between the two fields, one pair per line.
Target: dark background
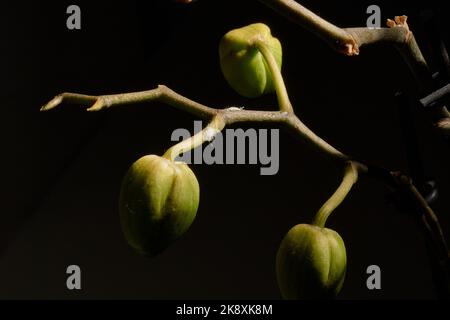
61,170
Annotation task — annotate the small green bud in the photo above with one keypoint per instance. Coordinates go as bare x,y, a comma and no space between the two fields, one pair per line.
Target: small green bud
158,203
243,65
311,263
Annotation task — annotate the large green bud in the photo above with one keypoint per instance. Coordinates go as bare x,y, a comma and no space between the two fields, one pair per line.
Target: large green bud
243,65
158,203
311,263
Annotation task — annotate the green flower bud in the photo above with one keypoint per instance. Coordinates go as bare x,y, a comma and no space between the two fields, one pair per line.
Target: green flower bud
311,263
158,203
243,65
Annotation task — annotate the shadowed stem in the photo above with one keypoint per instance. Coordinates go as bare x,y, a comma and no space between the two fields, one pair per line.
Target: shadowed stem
435,240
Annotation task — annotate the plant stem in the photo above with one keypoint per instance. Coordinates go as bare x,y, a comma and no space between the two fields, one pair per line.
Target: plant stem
206,135
434,236
283,99
161,93
349,41
349,179
229,115
339,38
307,135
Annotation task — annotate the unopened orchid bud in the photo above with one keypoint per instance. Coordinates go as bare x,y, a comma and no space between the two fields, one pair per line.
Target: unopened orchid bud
311,263
243,65
158,202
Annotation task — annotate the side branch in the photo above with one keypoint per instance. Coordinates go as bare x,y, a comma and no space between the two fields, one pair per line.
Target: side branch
350,40
338,38
416,203
433,233
228,115
344,40
162,94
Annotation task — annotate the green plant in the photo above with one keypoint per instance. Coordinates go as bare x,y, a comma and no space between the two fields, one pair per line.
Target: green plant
250,59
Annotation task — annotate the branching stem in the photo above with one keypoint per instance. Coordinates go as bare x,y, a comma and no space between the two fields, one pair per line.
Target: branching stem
344,40
228,115
349,41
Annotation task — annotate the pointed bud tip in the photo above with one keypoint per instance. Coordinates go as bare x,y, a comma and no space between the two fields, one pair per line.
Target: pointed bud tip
52,104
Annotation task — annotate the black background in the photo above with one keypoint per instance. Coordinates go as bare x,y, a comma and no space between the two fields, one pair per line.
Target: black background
61,170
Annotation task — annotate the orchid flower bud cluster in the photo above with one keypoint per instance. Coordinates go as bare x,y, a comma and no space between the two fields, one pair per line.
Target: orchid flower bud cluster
159,197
